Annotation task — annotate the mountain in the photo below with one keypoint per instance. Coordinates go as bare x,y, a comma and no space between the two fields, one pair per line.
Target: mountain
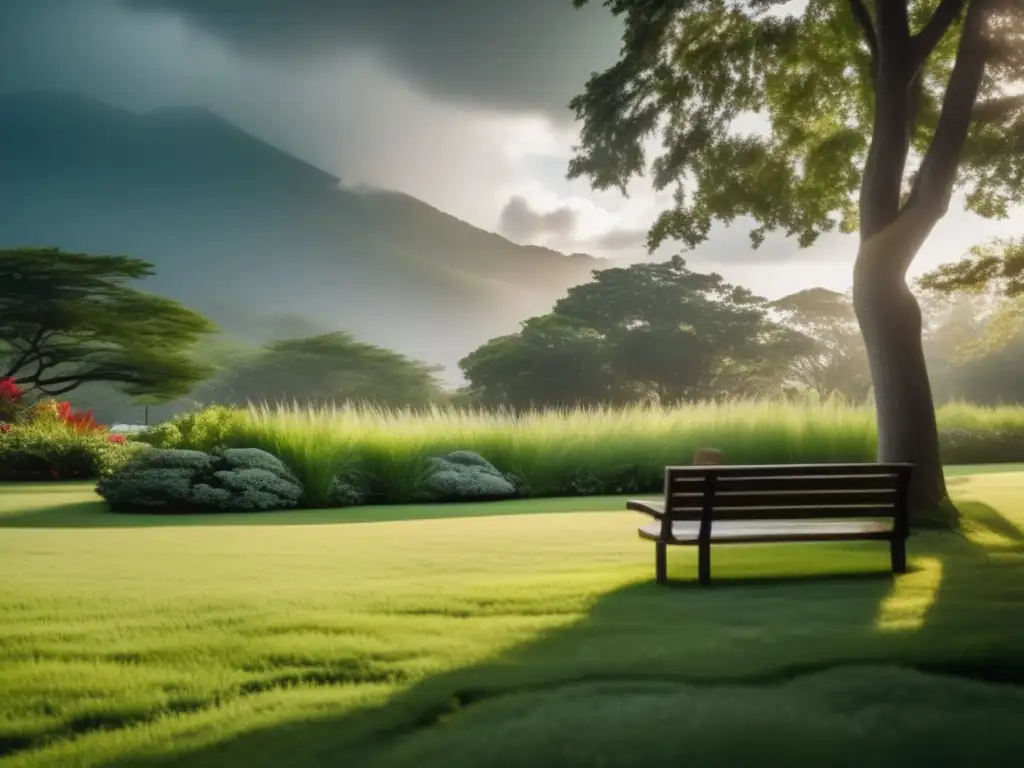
255,237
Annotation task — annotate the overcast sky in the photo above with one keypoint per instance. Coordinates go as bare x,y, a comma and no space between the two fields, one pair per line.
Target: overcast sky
458,102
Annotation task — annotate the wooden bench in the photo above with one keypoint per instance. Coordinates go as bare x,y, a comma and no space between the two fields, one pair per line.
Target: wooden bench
783,503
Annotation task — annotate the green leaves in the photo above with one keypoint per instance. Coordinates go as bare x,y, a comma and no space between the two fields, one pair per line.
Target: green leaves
746,109
996,266
994,270
69,318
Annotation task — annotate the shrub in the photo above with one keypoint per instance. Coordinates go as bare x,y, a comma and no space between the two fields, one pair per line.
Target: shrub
981,446
187,481
33,453
203,430
464,475
349,490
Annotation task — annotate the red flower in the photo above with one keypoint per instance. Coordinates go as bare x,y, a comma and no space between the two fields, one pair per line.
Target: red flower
118,439
9,390
5,428
82,421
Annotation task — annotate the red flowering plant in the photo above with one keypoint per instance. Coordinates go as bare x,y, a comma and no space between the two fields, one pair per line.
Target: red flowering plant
82,421
53,441
11,404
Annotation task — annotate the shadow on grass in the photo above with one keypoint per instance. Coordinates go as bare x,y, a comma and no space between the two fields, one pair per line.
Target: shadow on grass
987,517
46,506
791,669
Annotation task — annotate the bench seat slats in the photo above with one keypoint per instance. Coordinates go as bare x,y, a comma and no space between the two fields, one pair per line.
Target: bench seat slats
766,531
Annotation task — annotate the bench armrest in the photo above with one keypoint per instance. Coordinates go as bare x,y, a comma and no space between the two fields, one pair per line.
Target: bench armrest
655,509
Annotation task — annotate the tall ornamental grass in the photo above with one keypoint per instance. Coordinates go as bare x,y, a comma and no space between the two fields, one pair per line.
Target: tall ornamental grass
580,452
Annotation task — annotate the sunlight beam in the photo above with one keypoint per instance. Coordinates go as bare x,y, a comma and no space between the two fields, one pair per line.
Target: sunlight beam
912,595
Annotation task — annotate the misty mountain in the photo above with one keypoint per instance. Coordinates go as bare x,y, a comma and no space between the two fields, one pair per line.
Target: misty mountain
256,238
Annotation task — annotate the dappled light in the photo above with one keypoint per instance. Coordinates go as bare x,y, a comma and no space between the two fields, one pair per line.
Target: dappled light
906,606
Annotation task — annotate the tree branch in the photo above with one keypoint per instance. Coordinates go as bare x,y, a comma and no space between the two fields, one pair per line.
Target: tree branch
863,17
940,22
105,375
30,353
933,188
60,390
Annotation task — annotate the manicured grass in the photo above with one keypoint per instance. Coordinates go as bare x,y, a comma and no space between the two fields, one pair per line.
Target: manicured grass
506,640
583,452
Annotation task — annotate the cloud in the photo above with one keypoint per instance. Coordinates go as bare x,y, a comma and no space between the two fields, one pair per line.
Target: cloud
621,238
520,222
569,225
346,114
507,55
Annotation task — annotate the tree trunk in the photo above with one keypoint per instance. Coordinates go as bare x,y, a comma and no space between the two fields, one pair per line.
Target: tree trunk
890,321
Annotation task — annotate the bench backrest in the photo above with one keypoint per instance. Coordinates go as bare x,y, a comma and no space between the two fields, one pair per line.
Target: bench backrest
786,491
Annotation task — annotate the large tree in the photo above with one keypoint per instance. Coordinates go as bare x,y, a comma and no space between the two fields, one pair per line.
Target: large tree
834,362
655,332
328,369
675,334
872,114
68,319
552,362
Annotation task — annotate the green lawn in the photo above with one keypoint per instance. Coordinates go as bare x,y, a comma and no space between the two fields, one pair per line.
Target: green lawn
506,639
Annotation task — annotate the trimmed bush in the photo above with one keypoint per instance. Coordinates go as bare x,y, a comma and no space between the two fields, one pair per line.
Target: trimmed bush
465,476
32,454
188,481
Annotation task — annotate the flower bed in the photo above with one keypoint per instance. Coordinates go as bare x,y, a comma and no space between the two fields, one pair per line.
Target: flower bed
50,441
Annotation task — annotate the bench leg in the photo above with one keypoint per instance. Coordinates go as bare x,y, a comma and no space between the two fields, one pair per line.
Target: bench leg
898,554
660,564
704,563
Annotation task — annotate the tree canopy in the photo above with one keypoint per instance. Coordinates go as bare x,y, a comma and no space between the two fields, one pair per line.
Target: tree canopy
996,266
767,110
992,274
331,368
68,319
834,362
649,331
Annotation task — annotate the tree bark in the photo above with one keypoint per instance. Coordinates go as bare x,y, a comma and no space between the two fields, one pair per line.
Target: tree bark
892,233
890,321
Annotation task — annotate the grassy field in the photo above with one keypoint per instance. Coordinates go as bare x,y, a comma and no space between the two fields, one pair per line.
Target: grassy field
505,639
582,453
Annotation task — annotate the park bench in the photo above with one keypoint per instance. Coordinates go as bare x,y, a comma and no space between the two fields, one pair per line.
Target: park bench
761,504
